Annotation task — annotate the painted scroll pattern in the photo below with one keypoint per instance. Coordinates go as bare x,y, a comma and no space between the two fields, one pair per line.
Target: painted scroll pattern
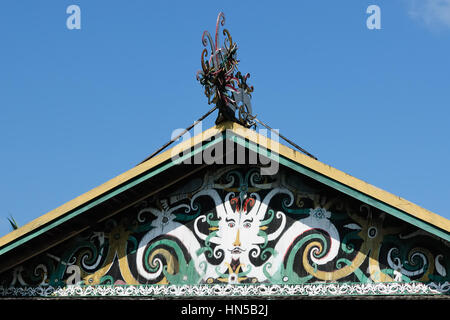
234,226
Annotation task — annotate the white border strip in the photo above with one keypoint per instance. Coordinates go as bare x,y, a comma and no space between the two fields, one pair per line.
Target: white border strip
316,289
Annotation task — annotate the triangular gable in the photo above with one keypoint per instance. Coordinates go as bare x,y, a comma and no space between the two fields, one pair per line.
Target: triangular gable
387,202
206,215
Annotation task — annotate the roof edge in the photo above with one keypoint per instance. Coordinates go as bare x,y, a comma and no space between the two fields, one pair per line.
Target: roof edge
110,184
344,178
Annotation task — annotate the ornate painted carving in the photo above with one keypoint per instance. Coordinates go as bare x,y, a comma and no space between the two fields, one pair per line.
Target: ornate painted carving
282,234
224,85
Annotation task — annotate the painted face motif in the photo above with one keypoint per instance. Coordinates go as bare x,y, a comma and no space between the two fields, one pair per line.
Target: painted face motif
239,228
239,233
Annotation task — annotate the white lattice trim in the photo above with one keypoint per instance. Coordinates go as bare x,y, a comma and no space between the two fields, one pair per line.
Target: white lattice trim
316,289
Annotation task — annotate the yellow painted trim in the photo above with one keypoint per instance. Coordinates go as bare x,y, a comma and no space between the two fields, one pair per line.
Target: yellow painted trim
344,178
251,135
111,184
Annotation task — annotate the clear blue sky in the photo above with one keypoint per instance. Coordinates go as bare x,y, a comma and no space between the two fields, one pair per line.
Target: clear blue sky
79,107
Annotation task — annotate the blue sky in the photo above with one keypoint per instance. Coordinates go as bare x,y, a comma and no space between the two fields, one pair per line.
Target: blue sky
79,107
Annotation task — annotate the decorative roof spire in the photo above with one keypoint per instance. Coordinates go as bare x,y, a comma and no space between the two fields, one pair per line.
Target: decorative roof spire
225,86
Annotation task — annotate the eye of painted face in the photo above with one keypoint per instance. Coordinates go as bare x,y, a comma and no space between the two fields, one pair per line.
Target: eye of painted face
247,223
230,222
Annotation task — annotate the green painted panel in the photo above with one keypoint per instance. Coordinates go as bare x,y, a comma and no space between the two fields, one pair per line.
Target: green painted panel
229,230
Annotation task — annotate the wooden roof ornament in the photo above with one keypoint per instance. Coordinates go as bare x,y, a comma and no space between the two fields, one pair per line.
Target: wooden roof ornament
224,85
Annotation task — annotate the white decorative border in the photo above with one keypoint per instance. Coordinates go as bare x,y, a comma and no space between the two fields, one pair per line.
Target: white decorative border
316,289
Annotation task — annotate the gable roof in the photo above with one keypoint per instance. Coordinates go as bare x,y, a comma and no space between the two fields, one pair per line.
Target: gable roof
73,214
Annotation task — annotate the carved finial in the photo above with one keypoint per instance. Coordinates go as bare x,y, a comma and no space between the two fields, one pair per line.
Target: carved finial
225,86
